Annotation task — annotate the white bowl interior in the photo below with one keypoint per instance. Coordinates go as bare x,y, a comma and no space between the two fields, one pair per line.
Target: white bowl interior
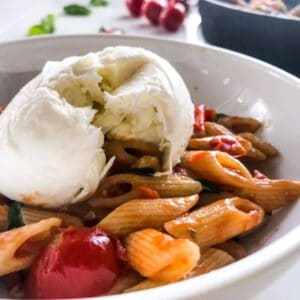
232,83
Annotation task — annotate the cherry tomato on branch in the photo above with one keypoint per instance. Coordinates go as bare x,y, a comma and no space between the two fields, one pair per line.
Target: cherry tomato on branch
81,262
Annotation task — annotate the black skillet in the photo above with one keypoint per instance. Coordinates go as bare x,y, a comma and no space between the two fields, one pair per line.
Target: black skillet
274,39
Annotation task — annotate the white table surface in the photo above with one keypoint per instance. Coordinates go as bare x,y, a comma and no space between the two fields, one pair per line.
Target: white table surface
16,16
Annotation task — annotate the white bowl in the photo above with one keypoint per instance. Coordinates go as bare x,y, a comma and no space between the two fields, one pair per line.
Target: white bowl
234,83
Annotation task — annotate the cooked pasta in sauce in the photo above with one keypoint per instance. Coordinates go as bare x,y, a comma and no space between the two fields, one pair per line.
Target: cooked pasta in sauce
144,227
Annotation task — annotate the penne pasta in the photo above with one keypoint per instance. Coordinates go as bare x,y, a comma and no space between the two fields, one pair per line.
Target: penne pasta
127,152
233,145
145,284
218,167
146,213
211,259
118,189
222,169
236,250
254,154
18,247
260,144
147,161
160,257
213,129
240,124
270,194
217,222
30,215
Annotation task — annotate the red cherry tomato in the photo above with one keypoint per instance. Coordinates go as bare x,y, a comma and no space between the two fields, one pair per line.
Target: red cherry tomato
151,10
82,262
172,16
199,115
183,2
135,7
225,144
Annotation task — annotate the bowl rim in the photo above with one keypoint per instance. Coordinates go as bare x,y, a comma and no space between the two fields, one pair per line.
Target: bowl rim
241,9
285,246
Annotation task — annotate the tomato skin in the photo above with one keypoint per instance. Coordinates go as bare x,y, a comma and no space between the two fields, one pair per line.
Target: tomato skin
172,16
199,115
135,7
151,10
83,262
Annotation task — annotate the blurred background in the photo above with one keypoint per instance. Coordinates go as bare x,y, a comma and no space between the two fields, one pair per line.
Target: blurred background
266,29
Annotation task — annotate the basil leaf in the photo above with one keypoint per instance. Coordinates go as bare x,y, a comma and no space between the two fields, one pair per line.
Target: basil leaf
76,10
209,187
219,116
99,2
35,30
14,215
48,23
46,26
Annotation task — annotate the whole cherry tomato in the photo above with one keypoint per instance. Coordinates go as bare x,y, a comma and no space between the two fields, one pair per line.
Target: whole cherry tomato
135,7
172,16
81,262
151,10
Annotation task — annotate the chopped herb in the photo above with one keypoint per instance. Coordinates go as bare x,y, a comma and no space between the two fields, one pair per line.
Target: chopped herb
35,30
14,215
219,116
140,171
46,26
48,23
99,2
209,187
76,10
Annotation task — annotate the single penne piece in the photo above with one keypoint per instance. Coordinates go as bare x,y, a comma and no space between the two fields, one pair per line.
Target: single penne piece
233,145
144,285
146,213
217,222
159,256
233,248
27,215
147,161
260,144
30,215
240,124
217,167
21,245
117,189
211,259
213,129
127,152
270,194
254,154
